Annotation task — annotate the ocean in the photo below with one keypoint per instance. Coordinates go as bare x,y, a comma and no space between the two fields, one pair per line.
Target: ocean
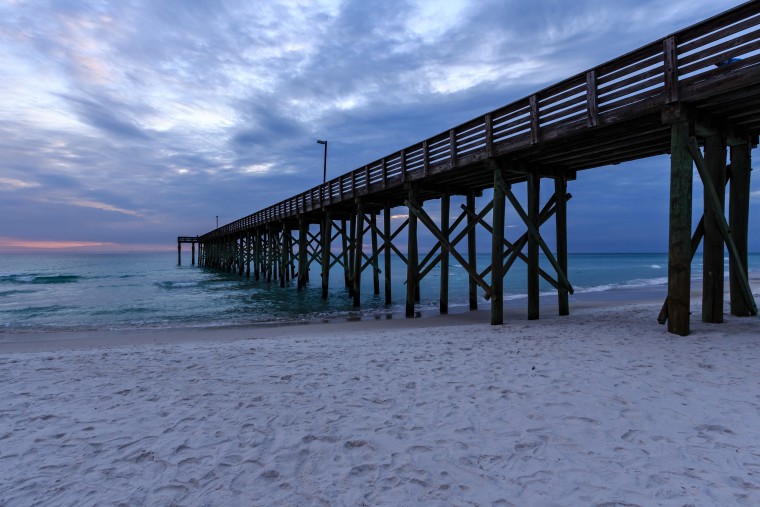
70,292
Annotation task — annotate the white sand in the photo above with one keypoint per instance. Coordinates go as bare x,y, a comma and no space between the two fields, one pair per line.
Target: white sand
599,408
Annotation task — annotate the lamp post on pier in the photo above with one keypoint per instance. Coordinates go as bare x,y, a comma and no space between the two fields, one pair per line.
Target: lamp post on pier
324,171
324,165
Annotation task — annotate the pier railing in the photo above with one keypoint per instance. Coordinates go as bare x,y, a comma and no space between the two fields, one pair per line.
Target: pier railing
694,63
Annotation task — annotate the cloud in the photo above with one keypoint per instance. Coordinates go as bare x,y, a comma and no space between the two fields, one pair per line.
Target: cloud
7,243
84,203
11,184
180,111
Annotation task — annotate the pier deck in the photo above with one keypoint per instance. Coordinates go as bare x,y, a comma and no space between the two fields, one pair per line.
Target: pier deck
697,88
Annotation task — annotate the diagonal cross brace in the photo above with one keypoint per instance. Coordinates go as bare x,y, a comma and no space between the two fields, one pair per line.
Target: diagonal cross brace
515,249
382,236
430,224
424,266
696,239
461,234
714,201
536,235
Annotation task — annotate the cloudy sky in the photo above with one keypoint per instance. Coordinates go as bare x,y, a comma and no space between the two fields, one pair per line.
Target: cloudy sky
125,124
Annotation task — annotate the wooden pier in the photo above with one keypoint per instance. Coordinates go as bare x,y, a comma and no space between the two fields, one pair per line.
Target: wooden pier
193,240
694,94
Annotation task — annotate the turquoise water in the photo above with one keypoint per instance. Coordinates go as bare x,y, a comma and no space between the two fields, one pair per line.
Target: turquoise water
106,291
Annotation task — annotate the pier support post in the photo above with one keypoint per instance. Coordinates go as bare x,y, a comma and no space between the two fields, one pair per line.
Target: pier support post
472,251
344,254
497,248
351,256
285,247
679,247
411,265
303,252
445,223
741,158
713,247
534,192
257,255
326,247
179,253
375,262
387,253
560,192
248,253
241,254
192,254
270,254
357,253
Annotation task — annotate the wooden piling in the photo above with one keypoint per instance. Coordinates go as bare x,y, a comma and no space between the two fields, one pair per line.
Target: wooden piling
344,254
303,252
412,258
741,159
283,256
679,249
326,255
257,255
497,249
357,254
443,303
713,246
534,192
387,253
472,251
560,193
352,256
179,253
375,261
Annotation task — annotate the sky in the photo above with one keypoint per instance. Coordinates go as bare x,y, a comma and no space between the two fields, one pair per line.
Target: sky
126,124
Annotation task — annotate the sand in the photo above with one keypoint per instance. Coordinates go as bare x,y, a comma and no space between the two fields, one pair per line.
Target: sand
603,407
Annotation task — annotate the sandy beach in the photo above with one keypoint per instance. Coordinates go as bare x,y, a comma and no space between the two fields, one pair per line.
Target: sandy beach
603,407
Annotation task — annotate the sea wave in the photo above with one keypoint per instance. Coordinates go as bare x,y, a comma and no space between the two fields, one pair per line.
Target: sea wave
632,284
175,285
39,279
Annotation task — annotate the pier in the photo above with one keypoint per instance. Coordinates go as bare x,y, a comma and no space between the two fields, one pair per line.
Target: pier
694,95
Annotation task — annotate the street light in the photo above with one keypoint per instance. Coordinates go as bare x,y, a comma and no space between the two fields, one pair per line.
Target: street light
324,167
217,221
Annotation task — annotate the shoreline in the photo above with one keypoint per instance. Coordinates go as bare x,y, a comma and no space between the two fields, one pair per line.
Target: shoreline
426,317
600,407
583,305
